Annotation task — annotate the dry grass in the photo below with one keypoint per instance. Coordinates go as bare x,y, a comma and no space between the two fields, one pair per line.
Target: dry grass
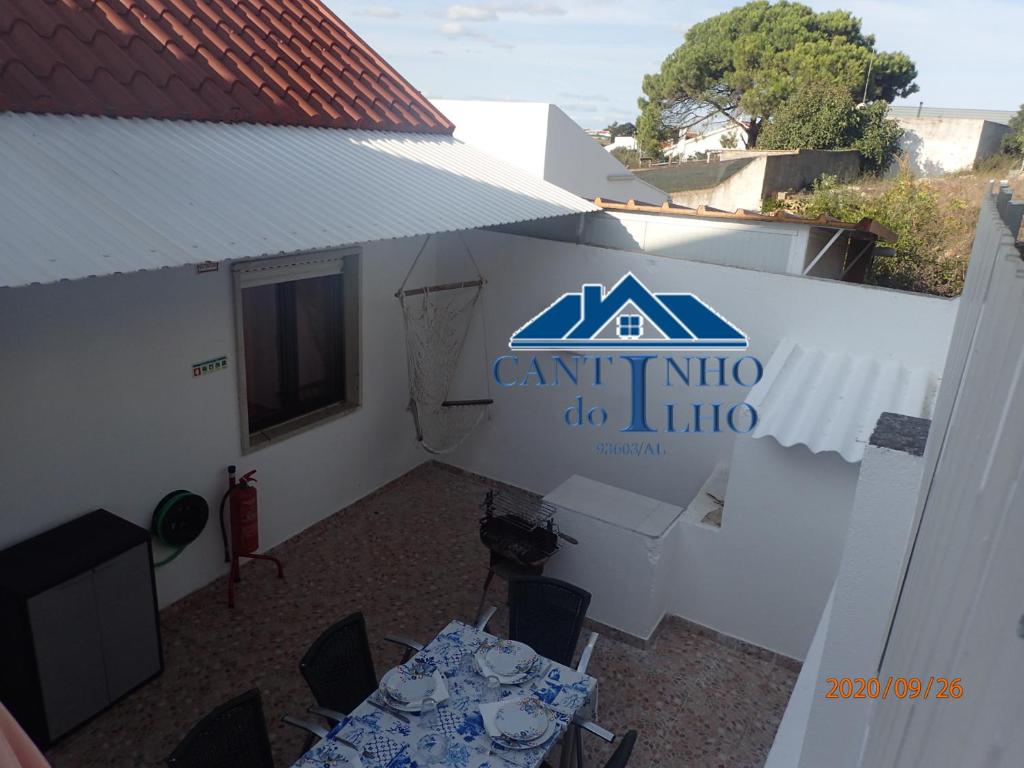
933,218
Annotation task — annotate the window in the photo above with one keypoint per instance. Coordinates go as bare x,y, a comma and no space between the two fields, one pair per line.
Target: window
630,326
298,342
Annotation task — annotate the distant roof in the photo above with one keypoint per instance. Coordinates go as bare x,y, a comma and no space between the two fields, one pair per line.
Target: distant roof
995,115
686,177
865,225
286,62
148,194
831,401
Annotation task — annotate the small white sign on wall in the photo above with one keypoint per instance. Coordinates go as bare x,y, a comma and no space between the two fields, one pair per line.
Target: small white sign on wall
210,366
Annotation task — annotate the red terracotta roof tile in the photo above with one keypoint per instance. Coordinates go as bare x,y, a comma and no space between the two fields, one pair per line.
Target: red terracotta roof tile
288,62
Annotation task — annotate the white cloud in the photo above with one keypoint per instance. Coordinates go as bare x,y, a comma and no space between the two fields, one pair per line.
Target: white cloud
380,12
471,13
583,96
458,29
532,9
493,11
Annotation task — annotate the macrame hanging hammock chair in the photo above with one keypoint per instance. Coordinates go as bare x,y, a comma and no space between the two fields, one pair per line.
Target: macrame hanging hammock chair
437,321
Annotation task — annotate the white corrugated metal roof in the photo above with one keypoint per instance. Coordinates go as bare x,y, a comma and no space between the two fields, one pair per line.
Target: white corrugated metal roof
83,196
830,401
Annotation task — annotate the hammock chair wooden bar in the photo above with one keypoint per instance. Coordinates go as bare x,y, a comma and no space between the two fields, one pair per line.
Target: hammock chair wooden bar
442,287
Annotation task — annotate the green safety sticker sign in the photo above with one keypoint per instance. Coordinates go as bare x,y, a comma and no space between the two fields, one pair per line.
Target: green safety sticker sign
210,366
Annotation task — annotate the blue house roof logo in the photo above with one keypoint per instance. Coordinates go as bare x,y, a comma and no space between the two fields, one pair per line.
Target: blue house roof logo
628,317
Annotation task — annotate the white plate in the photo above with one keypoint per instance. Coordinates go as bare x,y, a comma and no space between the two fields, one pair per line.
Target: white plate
408,686
413,707
544,738
507,657
518,679
523,720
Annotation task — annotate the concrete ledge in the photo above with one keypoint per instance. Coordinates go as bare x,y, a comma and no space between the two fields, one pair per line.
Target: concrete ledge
907,434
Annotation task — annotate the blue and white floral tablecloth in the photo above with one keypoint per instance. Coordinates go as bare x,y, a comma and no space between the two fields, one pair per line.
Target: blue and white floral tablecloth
392,743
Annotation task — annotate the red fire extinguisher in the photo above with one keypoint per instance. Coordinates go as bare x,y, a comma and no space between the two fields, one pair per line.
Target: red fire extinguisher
245,528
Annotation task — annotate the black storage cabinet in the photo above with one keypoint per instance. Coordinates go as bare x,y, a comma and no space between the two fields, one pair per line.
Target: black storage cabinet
79,627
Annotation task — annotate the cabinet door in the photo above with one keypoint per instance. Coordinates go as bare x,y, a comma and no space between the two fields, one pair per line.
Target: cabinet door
69,656
127,620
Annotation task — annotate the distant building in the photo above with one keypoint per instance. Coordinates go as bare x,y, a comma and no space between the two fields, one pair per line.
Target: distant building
622,142
938,140
710,139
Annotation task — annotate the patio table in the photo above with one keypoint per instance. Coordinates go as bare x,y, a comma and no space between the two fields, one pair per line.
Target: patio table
392,743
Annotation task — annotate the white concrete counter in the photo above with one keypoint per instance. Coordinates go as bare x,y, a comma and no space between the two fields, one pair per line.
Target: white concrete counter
624,557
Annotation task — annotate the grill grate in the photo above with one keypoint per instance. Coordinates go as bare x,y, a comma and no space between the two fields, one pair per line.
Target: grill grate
521,508
519,527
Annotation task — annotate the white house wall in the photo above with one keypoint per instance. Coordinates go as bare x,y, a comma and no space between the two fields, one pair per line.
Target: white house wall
543,140
578,163
99,409
513,131
729,583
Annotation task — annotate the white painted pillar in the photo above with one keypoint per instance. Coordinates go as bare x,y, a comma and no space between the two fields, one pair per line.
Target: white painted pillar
867,586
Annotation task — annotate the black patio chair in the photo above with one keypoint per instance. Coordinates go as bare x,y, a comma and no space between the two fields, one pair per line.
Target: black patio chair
547,615
620,757
339,670
234,735
338,667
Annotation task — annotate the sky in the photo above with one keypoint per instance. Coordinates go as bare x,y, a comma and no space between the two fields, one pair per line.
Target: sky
589,56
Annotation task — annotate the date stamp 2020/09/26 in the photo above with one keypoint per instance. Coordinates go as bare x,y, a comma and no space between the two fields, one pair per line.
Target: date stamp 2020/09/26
899,687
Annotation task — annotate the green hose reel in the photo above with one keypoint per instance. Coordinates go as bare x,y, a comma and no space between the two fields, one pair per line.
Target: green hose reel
178,520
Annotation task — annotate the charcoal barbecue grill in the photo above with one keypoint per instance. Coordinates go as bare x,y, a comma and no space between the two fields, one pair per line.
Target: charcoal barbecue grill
520,532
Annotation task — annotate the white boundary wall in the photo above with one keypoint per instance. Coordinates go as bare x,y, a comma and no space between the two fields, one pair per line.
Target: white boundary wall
959,610
765,575
525,442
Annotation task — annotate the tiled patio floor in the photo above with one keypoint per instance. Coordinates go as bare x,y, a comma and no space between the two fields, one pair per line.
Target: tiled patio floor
408,557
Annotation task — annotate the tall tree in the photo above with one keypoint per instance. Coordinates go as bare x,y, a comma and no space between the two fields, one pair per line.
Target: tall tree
741,65
621,129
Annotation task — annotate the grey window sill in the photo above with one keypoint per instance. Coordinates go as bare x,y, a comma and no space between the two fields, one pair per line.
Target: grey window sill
298,425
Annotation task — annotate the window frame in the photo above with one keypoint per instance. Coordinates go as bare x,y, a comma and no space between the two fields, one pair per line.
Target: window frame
253,273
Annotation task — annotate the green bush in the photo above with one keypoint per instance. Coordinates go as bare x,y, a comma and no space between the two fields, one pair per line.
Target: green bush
879,140
1013,142
825,117
932,232
628,157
